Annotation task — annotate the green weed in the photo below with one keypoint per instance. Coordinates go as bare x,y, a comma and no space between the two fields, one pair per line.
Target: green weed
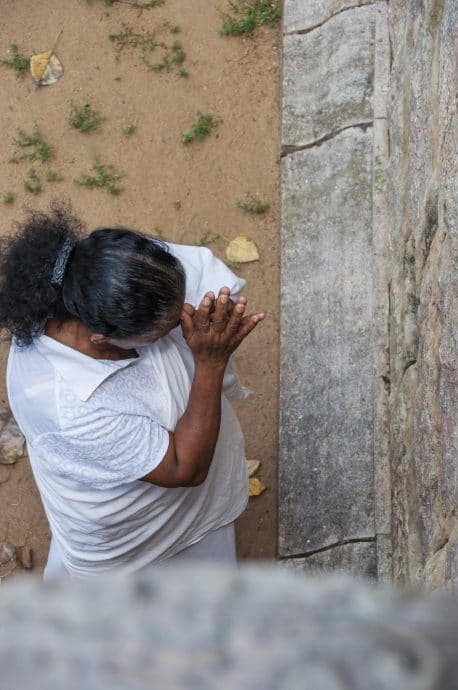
32,182
244,17
85,118
208,238
137,5
127,38
158,234
145,43
129,130
253,205
20,63
8,198
200,129
53,176
35,148
105,177
183,73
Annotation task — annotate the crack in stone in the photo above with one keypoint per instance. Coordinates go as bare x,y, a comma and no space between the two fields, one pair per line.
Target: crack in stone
344,542
287,149
299,32
409,364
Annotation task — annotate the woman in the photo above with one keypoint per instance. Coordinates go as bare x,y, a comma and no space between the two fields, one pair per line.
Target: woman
120,386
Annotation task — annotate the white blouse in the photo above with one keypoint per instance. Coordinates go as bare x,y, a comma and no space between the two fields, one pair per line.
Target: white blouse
94,427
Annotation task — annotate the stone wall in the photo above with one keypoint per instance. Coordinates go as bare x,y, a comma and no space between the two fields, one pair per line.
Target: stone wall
368,464
232,629
422,204
334,499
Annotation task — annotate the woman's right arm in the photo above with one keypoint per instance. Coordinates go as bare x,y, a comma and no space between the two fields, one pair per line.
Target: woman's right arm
213,331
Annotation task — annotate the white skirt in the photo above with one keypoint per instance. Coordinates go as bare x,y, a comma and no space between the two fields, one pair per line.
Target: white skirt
216,547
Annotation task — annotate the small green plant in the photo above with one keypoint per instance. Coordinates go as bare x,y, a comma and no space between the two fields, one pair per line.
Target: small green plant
146,5
129,130
175,29
157,232
32,182
137,5
172,56
244,17
34,147
183,73
200,129
129,38
85,118
8,198
20,63
105,177
208,238
53,176
178,54
253,205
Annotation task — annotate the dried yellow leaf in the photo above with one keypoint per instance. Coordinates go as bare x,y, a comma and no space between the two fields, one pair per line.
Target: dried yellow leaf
46,68
242,250
256,486
253,466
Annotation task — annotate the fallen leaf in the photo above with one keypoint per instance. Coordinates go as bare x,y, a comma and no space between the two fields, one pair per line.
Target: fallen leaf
46,68
256,487
253,466
242,250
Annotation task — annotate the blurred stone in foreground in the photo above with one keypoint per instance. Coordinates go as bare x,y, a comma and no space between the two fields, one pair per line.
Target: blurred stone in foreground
206,628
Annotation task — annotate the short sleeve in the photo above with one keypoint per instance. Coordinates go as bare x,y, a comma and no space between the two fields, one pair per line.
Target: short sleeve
105,452
205,272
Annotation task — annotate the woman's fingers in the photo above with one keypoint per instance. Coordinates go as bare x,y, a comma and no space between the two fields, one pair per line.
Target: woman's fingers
248,324
220,315
187,325
236,316
203,311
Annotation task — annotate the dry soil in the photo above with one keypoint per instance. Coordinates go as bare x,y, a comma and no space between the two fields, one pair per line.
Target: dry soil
186,194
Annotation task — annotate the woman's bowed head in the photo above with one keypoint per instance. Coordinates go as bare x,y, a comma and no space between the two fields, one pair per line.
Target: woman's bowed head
108,291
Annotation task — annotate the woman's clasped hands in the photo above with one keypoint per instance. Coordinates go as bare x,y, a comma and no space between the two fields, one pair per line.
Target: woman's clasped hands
217,326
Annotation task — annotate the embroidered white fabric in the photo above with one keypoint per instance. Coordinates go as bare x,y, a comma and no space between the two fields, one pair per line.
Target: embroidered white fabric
94,427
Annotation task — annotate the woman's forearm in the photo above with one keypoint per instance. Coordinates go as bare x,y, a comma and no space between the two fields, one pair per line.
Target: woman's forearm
197,430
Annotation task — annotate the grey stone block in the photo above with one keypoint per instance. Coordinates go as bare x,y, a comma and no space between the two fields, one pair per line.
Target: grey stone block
302,15
422,218
328,78
326,473
358,558
206,628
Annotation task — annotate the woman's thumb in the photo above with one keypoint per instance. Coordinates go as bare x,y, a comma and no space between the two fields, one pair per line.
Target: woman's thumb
186,320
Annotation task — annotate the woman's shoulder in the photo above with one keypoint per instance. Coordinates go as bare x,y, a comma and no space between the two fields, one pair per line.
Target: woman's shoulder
204,272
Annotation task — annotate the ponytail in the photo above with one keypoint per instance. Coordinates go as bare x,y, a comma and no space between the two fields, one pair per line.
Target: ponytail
27,260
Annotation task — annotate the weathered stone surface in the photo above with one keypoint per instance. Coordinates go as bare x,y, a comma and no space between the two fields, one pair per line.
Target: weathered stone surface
12,443
300,15
195,628
358,558
326,399
328,78
423,321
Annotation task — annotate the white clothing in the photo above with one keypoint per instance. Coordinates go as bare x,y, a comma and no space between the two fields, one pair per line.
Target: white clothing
218,547
94,427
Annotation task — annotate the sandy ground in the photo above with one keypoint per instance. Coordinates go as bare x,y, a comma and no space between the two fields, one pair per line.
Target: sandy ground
188,194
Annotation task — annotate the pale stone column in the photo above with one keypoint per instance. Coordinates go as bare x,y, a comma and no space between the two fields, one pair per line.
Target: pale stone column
334,478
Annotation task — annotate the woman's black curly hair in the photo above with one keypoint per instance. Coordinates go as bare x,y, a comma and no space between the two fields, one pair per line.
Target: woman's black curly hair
117,282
